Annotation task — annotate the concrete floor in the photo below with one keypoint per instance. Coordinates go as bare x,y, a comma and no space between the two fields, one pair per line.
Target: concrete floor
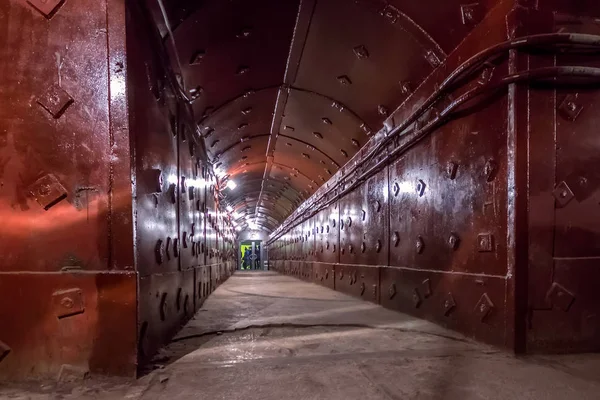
265,336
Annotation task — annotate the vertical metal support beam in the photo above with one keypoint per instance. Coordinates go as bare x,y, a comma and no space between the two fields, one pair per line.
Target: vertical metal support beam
121,232
517,240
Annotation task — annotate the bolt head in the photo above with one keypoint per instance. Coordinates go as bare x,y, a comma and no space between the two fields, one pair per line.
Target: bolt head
392,290
419,245
421,187
453,241
159,251
377,206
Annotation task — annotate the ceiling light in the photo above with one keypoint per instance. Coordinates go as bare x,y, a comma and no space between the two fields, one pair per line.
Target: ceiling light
231,185
229,208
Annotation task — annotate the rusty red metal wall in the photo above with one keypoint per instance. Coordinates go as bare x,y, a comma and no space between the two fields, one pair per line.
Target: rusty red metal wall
486,224
111,236
122,122
67,280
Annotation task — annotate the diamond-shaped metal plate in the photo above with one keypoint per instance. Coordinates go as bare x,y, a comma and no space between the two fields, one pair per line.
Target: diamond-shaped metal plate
563,194
484,307
67,303
47,7
570,108
392,291
55,100
47,191
416,298
426,288
560,297
449,304
4,350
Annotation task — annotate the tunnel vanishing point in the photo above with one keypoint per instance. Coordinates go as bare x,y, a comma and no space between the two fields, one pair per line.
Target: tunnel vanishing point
439,158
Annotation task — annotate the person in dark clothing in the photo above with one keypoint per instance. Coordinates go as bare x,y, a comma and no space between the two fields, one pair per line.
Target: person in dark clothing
247,262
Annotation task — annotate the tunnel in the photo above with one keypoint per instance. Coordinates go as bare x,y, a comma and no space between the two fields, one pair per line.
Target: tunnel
436,159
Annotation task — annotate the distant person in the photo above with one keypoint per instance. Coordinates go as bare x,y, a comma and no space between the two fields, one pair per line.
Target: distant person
247,261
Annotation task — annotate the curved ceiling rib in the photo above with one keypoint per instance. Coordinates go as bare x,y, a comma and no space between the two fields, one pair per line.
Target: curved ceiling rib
286,92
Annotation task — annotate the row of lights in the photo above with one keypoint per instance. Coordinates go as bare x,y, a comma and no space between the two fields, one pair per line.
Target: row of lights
252,225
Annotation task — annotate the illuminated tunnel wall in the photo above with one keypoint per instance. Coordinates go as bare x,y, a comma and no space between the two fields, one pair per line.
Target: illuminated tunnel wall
468,198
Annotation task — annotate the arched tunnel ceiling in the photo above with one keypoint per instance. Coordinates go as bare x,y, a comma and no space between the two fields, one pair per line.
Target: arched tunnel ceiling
286,92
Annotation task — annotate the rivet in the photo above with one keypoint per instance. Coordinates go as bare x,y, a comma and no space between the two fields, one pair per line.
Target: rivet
344,80
163,307
419,245
453,241
377,206
242,70
168,248
197,57
416,298
196,92
405,88
490,170
485,242
421,187
244,32
378,246
433,59
361,52
452,169
396,239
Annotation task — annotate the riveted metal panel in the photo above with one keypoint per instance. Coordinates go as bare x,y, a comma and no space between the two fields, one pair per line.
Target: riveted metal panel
447,201
358,281
374,222
474,305
358,65
563,202
191,196
235,49
71,319
55,154
166,303
325,125
156,139
351,232
65,191
323,274
570,323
